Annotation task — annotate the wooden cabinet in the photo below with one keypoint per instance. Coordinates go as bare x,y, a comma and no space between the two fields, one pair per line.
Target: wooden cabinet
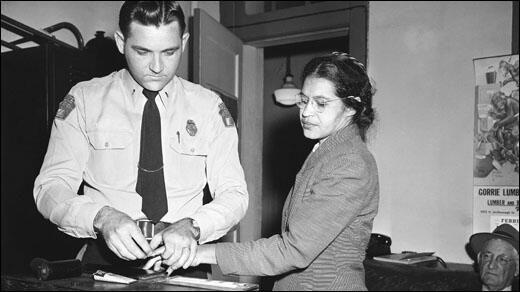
269,23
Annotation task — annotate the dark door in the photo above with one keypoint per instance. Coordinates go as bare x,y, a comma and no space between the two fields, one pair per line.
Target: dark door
34,81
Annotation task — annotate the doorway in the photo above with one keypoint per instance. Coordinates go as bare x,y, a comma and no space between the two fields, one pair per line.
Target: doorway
284,146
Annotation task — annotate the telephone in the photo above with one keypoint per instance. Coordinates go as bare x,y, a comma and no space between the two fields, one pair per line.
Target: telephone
378,245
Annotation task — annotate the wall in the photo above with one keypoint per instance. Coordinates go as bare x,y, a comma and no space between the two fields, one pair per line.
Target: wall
421,57
211,7
87,16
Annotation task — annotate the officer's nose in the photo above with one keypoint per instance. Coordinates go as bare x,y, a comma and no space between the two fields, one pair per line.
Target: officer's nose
157,65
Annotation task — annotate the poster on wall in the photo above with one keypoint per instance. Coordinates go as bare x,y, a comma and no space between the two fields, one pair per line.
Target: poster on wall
495,143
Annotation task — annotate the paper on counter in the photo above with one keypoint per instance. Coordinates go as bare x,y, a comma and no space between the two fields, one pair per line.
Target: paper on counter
111,277
210,284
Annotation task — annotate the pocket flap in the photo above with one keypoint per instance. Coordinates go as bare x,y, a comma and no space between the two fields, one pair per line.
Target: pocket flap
188,145
110,139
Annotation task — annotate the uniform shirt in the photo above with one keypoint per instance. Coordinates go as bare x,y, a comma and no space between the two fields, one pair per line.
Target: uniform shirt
96,138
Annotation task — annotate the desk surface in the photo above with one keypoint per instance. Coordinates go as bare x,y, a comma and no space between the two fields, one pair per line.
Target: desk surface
383,276
86,283
379,276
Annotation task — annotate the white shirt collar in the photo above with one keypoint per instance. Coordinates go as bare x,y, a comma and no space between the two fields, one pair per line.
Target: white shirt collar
508,288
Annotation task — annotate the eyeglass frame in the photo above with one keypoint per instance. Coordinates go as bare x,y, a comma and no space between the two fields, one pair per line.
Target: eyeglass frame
302,104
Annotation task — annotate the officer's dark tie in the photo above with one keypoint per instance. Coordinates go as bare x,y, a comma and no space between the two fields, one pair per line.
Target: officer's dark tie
150,177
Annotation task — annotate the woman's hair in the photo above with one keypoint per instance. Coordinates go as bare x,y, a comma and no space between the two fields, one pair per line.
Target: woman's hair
352,84
150,13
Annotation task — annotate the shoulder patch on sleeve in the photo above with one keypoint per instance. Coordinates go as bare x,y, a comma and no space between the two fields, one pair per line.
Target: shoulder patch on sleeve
226,116
66,106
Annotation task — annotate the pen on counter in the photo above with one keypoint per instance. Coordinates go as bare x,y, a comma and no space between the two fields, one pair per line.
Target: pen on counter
178,137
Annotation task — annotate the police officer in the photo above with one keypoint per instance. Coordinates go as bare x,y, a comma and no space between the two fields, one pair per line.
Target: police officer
99,137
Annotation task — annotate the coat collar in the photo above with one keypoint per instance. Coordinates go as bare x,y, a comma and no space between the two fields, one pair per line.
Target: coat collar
347,134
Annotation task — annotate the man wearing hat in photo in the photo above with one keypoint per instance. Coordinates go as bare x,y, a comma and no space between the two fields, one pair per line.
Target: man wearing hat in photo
497,257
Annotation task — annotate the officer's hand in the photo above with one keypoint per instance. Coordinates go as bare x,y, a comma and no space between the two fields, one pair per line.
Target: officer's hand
179,242
121,234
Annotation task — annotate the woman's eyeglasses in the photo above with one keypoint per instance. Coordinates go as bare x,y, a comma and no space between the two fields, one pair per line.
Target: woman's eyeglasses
318,103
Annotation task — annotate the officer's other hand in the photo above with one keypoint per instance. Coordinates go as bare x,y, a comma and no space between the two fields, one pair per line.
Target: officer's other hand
179,243
121,234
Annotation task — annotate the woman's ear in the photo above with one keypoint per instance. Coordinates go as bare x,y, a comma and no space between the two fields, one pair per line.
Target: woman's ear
350,112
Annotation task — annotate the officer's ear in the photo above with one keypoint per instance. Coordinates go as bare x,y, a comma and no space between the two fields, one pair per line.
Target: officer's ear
120,41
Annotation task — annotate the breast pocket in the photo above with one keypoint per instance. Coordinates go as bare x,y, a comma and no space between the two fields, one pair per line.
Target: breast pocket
188,161
113,159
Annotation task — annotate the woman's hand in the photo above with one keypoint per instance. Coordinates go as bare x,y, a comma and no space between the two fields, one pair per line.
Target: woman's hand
180,244
205,255
156,261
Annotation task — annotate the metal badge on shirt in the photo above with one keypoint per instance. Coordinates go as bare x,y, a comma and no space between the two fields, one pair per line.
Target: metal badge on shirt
191,128
226,116
66,106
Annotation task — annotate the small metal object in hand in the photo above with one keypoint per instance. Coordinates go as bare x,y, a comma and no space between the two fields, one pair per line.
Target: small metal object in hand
147,228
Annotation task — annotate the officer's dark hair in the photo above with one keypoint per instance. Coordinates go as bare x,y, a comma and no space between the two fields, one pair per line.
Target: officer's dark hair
150,13
350,78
